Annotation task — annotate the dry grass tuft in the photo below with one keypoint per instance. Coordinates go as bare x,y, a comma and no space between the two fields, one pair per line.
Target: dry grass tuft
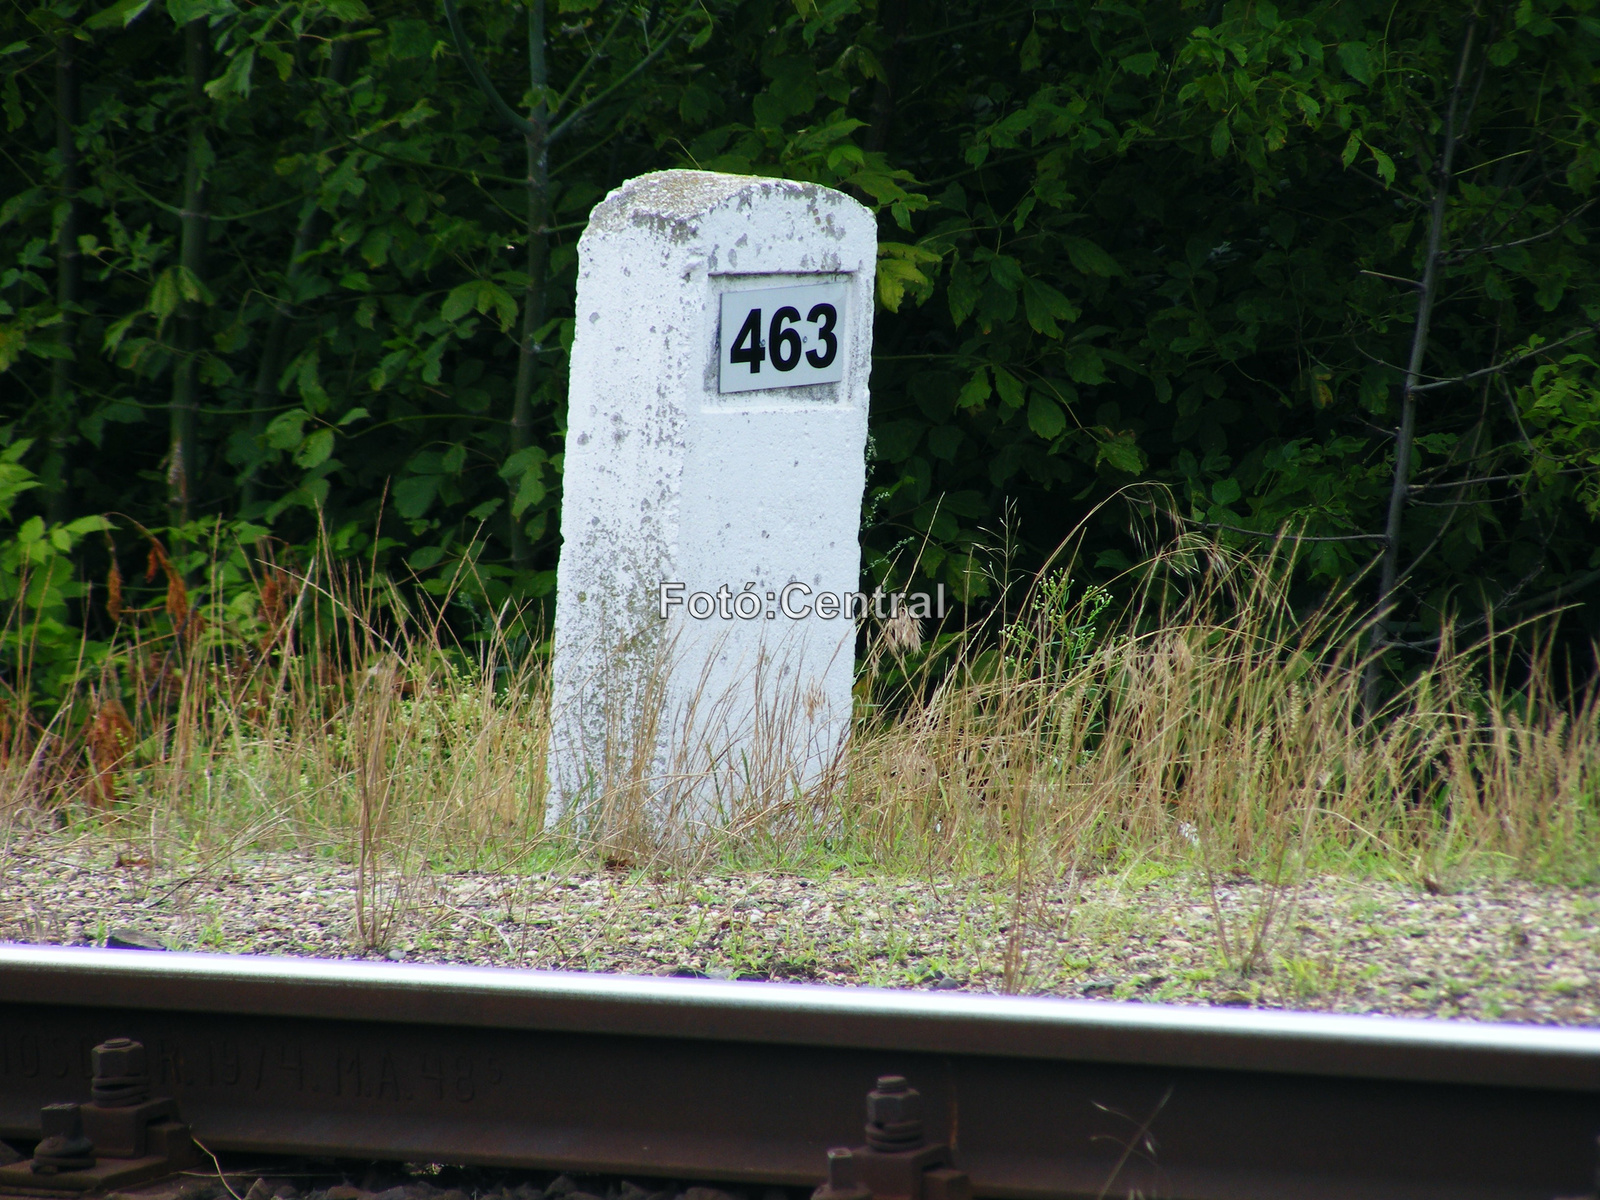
1085,730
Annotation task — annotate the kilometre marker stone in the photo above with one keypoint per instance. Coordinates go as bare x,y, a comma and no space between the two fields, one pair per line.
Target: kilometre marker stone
716,438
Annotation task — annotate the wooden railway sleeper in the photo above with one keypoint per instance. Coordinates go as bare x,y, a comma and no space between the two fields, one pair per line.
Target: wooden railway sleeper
897,1162
122,1136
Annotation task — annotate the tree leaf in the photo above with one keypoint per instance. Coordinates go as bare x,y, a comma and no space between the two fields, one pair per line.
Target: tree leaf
164,295
1045,417
49,348
12,340
895,276
944,441
235,79
1012,393
184,11
530,491
1032,50
1090,258
1385,164
1085,364
492,296
460,301
16,114
347,10
1221,138
1140,64
1120,452
410,38
976,392
1356,59
425,558
962,293
191,287
283,432
1006,271
315,450
308,381
123,13
1044,306
1351,149
117,331
20,202
414,495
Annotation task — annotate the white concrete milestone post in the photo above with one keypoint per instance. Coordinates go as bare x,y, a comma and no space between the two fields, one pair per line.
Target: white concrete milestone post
716,439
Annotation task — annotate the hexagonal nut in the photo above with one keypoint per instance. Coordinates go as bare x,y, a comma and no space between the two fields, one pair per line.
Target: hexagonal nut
117,1059
894,1108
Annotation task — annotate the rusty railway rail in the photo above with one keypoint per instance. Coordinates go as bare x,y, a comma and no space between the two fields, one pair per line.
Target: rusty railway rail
697,1079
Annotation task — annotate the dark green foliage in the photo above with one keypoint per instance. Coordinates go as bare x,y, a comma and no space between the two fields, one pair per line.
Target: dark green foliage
1164,245
1173,246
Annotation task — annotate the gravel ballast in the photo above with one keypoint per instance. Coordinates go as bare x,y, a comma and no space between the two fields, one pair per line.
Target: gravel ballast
292,1179
1488,950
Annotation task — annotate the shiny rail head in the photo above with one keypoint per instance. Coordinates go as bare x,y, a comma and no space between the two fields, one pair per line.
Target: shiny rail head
807,1014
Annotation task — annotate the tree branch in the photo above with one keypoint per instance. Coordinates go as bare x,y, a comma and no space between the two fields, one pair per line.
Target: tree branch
1460,255
661,48
1499,479
1558,591
995,19
474,69
1455,483
177,211
1293,537
477,177
594,57
1503,604
1452,503
1515,360
1410,283
1444,528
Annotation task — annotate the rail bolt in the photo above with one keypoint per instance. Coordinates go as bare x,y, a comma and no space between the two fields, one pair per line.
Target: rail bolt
121,1074
842,1183
118,1057
63,1148
894,1114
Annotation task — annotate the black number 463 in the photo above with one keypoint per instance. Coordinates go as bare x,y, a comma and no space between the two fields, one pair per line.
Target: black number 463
784,340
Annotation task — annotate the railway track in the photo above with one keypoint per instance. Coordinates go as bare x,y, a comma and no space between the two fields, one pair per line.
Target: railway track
754,1083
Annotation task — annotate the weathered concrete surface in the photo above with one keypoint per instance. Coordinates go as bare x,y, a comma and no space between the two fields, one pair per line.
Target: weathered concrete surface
667,479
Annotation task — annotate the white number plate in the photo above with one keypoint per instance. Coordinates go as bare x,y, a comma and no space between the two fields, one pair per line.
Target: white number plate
783,337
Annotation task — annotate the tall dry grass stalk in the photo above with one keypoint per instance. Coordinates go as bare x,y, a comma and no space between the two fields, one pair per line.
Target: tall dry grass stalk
1218,724
1192,717
688,765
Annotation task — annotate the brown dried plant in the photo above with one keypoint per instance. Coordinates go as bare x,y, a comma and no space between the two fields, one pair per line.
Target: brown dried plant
107,740
114,591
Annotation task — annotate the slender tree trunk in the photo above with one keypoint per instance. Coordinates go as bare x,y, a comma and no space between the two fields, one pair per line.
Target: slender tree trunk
181,457
1405,438
533,298
537,135
69,286
265,393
